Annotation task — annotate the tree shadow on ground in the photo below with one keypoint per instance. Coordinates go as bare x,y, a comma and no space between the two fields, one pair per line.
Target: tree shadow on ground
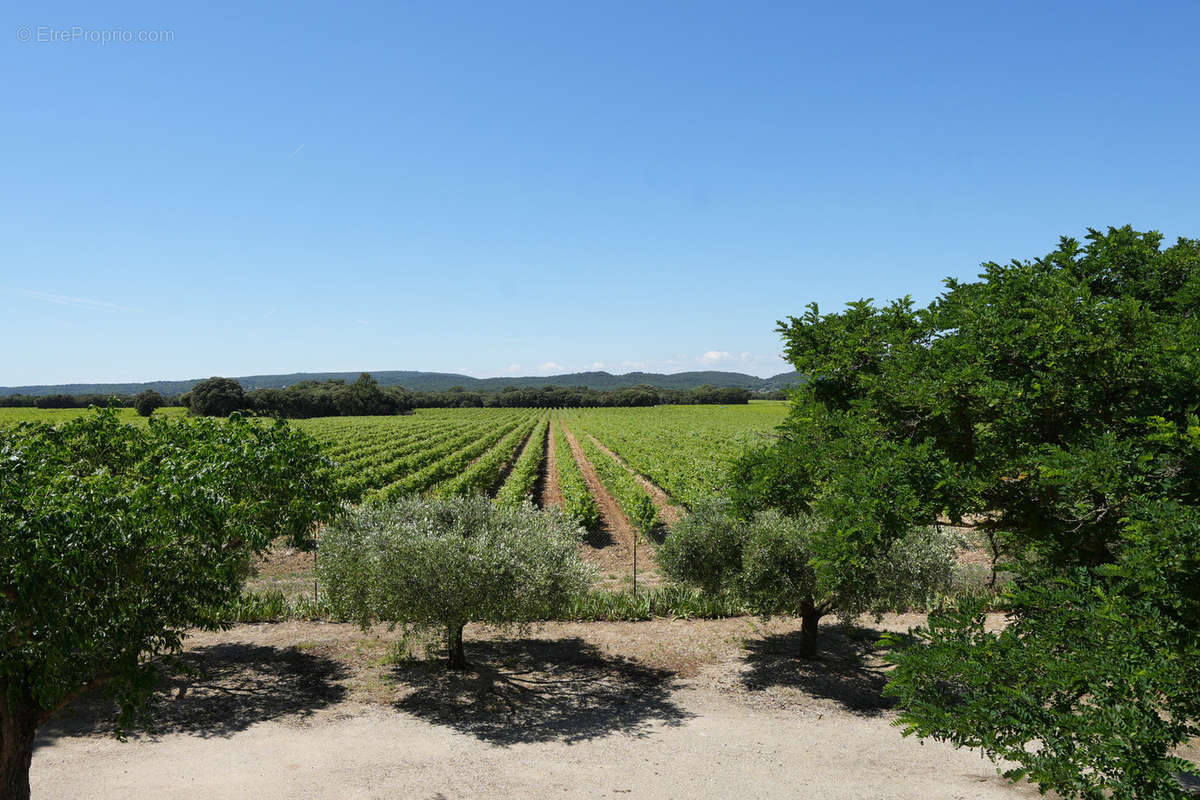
845,670
217,691
598,536
535,690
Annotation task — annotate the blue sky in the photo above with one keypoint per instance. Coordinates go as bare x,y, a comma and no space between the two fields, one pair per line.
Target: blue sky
496,188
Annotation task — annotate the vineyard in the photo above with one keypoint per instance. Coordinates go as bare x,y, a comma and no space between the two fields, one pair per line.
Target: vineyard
683,450
676,454
598,465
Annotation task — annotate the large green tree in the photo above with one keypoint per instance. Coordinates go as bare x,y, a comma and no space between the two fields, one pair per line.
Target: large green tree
114,540
447,562
216,397
1052,403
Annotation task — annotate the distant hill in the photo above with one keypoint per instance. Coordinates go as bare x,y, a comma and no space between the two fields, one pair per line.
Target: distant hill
440,381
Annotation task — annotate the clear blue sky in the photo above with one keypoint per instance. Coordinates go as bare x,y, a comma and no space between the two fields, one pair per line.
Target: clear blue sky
534,188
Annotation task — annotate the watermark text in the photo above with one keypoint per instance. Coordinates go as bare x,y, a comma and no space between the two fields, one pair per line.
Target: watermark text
40,34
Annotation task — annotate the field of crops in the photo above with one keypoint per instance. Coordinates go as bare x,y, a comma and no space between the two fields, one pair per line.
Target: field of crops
19,414
685,450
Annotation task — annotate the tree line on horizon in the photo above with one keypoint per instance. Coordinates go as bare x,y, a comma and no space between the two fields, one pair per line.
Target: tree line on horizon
219,396
222,396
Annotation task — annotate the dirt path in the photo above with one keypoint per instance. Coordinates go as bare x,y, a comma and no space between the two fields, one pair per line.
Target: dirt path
696,709
549,493
616,556
669,512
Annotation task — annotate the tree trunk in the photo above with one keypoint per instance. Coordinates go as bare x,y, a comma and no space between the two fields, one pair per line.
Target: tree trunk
454,646
18,726
810,617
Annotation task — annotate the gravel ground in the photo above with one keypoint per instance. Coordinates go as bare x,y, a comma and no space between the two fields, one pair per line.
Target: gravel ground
665,709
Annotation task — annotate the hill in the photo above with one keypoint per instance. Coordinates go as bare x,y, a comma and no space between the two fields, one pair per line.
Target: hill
440,381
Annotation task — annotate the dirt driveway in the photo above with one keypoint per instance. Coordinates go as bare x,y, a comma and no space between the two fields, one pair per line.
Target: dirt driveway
664,709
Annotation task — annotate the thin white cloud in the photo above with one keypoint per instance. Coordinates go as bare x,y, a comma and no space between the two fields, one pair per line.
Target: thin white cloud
294,152
716,355
550,366
77,302
597,365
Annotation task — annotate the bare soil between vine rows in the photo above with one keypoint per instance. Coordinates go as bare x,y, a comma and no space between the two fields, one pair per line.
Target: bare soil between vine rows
612,549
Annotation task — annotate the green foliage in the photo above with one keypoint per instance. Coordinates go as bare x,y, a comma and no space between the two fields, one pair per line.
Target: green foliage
630,495
271,606
1101,668
705,548
147,401
216,397
447,562
776,564
1054,401
451,459
483,474
687,450
578,503
673,601
523,477
115,539
644,515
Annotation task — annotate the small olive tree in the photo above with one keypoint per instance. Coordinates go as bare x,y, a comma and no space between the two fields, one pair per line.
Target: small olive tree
773,563
446,562
114,540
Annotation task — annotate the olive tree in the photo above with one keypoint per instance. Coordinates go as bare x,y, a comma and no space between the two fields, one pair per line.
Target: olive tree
446,562
114,540
1053,403
773,563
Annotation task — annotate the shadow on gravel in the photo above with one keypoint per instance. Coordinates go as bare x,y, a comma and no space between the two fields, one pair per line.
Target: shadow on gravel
534,690
223,689
845,670
598,536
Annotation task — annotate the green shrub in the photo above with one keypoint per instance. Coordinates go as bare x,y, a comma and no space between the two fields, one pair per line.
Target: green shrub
772,563
446,562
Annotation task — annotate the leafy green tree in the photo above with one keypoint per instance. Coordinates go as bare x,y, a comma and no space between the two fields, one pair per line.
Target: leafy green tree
1053,403
217,397
446,562
147,401
114,540
773,564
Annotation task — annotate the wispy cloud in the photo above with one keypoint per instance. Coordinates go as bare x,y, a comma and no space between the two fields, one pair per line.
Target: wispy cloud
77,302
294,152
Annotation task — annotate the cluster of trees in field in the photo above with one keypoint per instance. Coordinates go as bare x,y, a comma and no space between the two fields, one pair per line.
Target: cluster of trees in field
581,397
82,400
219,397
334,398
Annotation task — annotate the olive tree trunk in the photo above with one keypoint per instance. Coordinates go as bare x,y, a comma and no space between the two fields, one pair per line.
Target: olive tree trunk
810,618
454,646
18,726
